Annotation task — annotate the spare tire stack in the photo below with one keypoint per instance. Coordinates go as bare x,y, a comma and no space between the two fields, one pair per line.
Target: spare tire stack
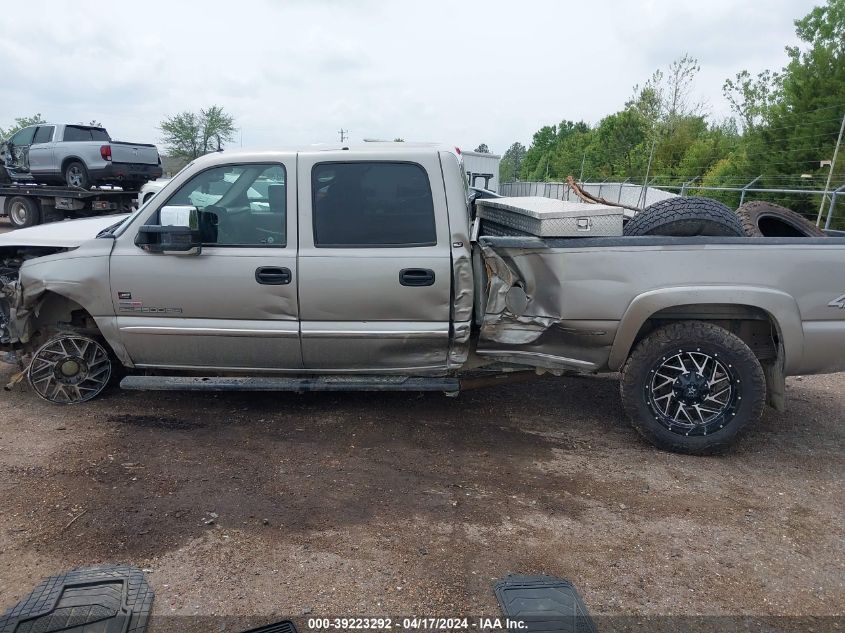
686,217
695,216
767,219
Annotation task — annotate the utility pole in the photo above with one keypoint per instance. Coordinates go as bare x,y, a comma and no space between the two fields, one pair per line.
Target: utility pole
344,134
830,173
581,176
644,192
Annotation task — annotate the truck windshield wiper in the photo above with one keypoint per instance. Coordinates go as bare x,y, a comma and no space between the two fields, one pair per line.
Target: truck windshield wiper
109,230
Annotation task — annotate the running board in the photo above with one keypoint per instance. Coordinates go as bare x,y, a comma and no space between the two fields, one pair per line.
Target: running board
313,383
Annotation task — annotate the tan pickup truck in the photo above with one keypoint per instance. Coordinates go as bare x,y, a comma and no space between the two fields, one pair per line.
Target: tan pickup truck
362,269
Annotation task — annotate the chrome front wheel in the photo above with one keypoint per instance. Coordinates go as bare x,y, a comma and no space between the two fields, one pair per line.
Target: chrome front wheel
69,369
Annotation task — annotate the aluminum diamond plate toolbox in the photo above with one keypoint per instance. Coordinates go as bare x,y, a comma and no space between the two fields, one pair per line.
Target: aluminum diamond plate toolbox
547,217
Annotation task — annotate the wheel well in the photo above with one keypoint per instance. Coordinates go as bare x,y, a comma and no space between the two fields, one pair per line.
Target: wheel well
71,159
58,313
756,327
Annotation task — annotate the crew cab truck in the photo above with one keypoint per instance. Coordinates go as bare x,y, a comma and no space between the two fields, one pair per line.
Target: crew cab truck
363,269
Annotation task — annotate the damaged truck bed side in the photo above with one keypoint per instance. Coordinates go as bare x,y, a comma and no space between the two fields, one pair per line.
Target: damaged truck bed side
351,269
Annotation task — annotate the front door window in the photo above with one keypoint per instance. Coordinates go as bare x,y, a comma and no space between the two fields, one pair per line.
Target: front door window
239,205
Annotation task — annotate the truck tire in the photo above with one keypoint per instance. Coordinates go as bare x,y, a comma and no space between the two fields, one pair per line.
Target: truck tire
766,219
5,178
692,387
76,175
23,212
685,217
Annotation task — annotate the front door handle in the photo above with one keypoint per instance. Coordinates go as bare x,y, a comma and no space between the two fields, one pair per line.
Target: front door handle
416,277
273,275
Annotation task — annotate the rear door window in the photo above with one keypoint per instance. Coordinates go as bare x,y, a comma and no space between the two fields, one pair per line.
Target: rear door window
44,134
376,204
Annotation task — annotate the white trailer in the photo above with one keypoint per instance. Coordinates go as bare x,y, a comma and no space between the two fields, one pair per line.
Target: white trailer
482,169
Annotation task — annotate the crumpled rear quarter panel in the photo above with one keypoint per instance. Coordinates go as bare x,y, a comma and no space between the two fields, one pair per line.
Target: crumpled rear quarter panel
569,298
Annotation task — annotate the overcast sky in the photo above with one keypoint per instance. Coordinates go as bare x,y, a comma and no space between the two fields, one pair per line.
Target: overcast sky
294,72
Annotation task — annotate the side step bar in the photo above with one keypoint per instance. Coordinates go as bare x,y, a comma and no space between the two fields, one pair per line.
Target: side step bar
312,383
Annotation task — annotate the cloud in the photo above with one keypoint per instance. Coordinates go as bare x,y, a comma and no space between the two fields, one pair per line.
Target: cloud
295,72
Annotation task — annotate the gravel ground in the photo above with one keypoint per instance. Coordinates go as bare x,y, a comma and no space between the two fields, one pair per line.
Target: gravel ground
257,506
339,504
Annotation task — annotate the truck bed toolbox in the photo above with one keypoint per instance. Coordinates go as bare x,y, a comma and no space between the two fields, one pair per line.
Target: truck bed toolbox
547,217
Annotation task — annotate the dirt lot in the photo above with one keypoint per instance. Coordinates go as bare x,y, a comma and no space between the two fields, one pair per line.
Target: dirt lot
339,504
255,506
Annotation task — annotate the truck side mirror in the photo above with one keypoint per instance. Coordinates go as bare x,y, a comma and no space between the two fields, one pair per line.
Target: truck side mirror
177,232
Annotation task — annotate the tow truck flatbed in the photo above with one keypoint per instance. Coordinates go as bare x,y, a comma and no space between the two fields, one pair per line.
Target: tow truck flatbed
28,204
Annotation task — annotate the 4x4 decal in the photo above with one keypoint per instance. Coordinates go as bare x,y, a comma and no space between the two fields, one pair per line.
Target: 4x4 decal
838,303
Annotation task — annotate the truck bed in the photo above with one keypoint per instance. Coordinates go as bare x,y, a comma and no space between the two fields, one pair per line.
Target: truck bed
579,302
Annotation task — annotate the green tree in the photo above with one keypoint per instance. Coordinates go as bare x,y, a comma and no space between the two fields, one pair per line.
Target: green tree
511,162
188,135
20,123
667,97
482,149
750,97
543,141
620,146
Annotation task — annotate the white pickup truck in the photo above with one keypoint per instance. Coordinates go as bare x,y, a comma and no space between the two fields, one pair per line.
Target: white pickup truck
364,269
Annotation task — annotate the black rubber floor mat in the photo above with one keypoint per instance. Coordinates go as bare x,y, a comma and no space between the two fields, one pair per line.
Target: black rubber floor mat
543,604
280,627
104,599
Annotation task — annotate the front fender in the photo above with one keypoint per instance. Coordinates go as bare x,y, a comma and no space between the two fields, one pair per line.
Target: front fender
781,308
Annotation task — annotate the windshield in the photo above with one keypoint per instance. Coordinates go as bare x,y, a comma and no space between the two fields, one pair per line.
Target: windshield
118,227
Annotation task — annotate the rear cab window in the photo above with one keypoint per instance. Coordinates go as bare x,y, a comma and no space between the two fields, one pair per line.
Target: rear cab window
372,204
75,133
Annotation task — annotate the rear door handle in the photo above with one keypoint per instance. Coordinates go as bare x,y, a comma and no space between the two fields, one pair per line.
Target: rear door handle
416,277
273,275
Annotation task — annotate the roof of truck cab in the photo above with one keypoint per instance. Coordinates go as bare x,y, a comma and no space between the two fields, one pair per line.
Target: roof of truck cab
357,148
90,127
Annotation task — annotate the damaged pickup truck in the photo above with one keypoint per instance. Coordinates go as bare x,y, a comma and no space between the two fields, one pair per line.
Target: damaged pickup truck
365,269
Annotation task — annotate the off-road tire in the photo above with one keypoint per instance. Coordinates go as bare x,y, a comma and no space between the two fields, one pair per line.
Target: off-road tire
698,337
766,219
5,179
75,170
685,217
23,212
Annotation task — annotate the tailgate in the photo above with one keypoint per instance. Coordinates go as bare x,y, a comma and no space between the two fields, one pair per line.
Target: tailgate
138,153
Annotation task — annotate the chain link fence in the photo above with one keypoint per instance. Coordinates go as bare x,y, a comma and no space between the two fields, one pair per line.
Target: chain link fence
829,203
